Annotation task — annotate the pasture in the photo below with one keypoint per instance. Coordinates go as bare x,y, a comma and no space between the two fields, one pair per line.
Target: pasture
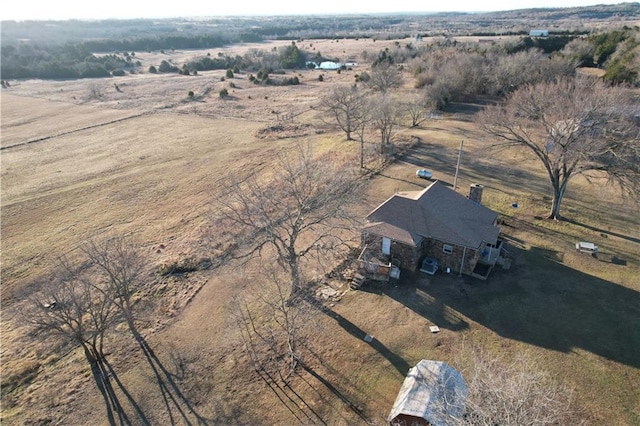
83,160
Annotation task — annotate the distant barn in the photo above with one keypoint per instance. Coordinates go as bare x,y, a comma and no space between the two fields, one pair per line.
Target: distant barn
539,33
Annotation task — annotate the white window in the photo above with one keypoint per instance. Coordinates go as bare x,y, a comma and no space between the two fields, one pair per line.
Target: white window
447,249
386,245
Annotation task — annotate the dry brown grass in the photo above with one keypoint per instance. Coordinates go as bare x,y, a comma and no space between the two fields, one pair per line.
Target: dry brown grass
156,174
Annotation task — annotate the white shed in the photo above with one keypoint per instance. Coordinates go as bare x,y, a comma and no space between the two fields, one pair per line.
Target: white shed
539,33
433,393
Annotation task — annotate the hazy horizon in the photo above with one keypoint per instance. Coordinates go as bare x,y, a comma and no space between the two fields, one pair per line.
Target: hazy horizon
121,9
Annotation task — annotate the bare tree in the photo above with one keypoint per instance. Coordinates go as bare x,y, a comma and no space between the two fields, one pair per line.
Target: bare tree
385,117
573,126
513,393
385,76
121,267
274,331
119,276
78,309
347,106
579,51
303,210
418,108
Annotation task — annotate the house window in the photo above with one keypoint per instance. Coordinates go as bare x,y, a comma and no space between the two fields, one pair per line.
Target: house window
447,249
386,246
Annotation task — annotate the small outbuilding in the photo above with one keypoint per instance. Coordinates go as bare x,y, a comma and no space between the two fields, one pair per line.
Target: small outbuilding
433,394
539,33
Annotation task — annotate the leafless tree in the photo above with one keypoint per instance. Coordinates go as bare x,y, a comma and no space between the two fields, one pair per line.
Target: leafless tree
121,267
385,76
119,275
579,51
274,331
573,126
302,210
95,92
418,108
347,107
385,117
75,307
514,393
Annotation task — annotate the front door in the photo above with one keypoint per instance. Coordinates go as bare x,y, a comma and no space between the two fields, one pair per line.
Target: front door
386,246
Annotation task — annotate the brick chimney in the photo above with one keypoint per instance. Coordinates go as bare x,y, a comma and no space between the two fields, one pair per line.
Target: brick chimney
475,192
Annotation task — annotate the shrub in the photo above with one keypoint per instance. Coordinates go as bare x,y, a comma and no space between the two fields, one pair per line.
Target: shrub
191,93
165,66
320,78
229,73
363,77
223,93
153,70
232,85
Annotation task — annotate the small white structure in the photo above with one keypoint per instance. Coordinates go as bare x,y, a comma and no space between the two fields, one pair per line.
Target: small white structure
585,247
539,33
330,65
433,393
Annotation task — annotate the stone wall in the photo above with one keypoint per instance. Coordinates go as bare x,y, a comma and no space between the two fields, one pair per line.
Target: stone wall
434,248
410,257
407,255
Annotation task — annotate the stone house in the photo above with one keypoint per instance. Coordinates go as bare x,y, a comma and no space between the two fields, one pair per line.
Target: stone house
438,223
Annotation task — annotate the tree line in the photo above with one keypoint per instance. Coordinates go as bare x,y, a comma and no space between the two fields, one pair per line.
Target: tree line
583,125
615,51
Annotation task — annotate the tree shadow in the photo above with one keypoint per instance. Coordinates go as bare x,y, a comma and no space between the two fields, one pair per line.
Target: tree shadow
173,397
602,231
397,361
544,303
341,396
417,184
290,399
417,292
443,159
140,413
431,157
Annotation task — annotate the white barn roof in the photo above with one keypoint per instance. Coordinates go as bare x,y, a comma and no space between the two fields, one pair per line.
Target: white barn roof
433,391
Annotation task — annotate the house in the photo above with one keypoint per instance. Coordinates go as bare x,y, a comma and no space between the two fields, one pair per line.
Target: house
459,233
432,394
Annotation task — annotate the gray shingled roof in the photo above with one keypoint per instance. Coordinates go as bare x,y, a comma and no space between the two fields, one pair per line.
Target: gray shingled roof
436,212
433,391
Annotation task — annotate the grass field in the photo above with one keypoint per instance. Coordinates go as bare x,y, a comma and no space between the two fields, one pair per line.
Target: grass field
149,162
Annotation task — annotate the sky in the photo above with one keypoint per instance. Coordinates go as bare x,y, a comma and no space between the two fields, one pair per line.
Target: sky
127,9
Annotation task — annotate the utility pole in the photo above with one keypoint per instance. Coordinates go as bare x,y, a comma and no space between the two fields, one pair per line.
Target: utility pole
455,179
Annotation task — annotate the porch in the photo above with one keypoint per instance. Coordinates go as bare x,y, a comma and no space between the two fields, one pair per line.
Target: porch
374,268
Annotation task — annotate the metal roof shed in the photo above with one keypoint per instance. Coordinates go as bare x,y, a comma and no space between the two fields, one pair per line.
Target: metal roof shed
433,394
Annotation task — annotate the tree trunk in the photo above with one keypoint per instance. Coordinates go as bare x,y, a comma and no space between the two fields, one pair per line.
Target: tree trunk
295,279
558,193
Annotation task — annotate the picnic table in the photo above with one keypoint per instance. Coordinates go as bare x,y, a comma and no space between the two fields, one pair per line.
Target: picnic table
586,247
